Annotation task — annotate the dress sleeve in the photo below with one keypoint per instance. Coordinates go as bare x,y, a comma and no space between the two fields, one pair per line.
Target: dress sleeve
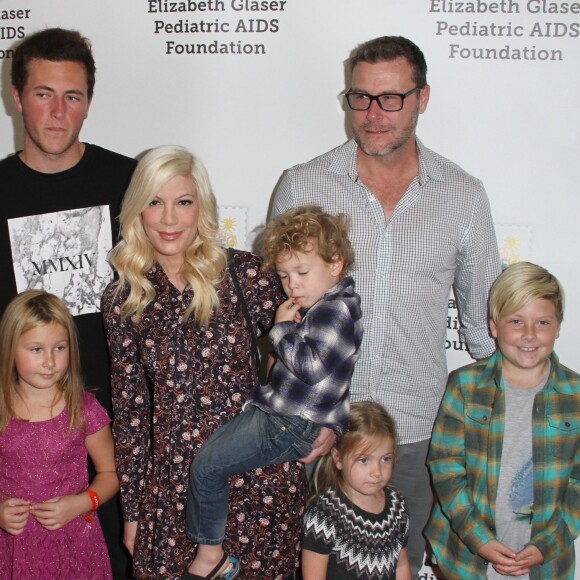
317,530
447,464
94,415
262,290
399,501
131,405
478,266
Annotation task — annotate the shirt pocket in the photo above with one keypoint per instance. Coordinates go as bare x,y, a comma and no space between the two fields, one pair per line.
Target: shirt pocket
477,421
564,435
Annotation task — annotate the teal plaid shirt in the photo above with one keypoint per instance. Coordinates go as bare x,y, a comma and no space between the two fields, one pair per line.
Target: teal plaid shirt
464,460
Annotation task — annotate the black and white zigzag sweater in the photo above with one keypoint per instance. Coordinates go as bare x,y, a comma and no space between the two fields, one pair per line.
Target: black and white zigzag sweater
361,545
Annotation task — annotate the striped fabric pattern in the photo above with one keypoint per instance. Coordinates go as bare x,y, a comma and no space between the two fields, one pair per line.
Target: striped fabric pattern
440,235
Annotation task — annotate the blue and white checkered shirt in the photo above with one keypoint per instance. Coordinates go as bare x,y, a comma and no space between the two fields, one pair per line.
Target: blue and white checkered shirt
440,234
316,359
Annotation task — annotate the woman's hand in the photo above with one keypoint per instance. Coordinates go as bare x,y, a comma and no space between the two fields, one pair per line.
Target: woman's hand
129,533
14,514
59,511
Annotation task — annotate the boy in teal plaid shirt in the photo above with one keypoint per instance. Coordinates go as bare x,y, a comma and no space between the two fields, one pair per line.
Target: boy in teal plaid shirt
505,451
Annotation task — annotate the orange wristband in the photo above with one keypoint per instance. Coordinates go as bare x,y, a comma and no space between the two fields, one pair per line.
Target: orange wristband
95,502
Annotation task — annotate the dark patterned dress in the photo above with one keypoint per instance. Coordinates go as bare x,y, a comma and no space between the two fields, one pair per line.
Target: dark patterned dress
173,385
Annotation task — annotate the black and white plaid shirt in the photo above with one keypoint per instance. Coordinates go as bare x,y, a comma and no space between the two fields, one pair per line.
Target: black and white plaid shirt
440,234
316,359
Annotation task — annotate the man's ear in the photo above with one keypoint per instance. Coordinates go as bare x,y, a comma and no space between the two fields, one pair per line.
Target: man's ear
16,98
89,107
424,98
493,328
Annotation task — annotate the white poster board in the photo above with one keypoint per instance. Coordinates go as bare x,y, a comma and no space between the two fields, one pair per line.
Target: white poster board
253,87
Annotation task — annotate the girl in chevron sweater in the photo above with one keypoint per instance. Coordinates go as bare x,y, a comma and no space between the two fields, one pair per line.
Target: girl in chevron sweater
356,526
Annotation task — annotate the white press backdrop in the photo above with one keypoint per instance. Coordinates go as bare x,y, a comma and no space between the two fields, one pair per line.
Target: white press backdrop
504,78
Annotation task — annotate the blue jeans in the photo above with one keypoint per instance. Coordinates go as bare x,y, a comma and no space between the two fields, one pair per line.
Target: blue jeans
252,439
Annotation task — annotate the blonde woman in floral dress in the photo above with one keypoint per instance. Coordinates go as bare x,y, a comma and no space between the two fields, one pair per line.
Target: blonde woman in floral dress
182,365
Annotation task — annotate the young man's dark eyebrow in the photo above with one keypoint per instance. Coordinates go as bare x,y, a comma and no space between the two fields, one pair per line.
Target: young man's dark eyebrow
52,90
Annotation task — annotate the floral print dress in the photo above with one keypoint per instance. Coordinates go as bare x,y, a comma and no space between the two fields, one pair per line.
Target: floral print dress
173,385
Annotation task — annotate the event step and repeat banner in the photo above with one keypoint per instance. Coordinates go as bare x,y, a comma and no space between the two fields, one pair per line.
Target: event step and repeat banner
253,87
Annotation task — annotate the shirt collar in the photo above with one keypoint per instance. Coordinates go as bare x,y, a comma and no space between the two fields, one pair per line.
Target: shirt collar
555,380
343,286
344,162
429,166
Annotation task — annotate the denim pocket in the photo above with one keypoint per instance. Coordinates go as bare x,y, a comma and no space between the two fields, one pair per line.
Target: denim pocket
296,432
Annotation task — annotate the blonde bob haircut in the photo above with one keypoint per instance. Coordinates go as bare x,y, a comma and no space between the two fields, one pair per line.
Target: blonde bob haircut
28,310
369,424
204,260
520,284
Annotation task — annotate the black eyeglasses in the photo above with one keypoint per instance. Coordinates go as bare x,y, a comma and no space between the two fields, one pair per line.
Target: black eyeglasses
390,102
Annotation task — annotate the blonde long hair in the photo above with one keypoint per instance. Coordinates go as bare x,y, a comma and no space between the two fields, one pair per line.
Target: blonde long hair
368,424
133,256
26,311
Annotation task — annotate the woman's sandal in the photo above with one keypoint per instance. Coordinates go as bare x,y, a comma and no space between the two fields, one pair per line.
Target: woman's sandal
228,574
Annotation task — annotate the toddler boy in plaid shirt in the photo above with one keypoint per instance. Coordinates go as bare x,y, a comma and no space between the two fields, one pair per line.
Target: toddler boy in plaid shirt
316,339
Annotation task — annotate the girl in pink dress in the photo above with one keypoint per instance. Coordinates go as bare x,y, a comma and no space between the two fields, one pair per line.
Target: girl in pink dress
48,425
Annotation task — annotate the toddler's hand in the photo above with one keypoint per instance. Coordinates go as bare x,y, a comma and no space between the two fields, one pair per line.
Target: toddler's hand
288,312
14,515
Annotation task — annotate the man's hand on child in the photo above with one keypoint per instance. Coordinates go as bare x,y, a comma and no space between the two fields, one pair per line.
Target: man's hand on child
288,312
14,514
322,445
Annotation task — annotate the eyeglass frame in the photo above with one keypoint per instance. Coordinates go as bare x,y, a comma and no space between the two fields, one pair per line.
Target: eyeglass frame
376,98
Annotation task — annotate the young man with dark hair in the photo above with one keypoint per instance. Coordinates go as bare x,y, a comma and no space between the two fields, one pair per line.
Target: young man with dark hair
60,199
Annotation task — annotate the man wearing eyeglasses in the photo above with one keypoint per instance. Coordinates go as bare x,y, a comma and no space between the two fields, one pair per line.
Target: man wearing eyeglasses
419,225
